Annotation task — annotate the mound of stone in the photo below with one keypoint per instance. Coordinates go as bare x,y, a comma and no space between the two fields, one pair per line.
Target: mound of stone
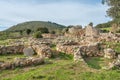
22,62
11,49
43,50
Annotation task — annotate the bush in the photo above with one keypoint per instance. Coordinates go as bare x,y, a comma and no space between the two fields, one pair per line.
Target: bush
28,31
104,31
43,30
37,35
52,32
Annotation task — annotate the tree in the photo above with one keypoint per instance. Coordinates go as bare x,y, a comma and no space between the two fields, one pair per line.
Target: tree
114,28
114,10
28,31
37,34
43,30
114,13
21,32
78,27
65,30
52,32
91,24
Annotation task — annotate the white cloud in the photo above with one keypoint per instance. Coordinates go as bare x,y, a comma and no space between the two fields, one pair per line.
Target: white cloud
65,13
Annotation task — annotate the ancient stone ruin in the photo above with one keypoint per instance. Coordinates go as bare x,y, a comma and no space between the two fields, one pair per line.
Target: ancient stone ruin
22,62
28,52
91,31
16,49
75,32
78,42
109,53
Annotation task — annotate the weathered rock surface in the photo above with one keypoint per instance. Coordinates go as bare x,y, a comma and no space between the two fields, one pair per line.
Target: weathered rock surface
92,49
68,49
22,62
28,52
91,31
11,49
109,53
109,37
43,50
78,55
75,32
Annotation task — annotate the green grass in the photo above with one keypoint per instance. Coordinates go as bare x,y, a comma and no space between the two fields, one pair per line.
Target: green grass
10,57
114,45
65,56
97,62
62,69
53,47
107,29
94,62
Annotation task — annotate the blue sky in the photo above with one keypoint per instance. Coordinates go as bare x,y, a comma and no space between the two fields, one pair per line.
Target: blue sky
65,12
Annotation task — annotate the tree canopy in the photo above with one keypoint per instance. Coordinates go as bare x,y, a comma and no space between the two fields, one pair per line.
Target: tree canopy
114,13
114,10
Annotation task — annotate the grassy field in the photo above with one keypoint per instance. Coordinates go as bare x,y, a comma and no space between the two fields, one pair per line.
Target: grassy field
10,57
106,29
63,68
11,41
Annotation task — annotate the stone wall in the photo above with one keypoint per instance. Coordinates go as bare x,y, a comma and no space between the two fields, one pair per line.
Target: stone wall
49,35
11,49
42,50
109,37
92,49
21,62
68,49
75,32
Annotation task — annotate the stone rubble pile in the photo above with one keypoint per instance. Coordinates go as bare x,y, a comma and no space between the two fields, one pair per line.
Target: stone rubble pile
33,41
109,53
115,64
110,37
43,50
11,49
68,49
91,31
92,49
22,62
75,32
28,52
80,43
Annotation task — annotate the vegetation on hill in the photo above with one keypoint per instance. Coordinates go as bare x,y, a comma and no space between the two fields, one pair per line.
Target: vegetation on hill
30,28
34,25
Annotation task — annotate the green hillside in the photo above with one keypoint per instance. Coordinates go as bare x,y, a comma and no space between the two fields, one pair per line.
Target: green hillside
33,25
